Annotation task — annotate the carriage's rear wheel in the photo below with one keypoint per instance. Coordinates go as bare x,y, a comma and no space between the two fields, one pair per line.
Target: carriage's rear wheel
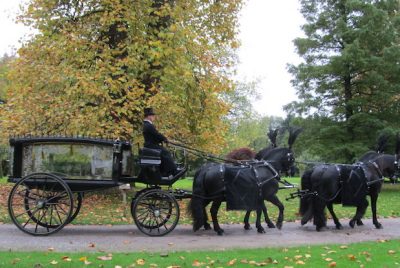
40,204
156,212
77,197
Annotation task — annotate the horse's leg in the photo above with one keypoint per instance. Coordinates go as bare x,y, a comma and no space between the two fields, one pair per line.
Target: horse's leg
259,227
335,219
267,219
246,220
374,199
206,225
359,213
274,200
214,215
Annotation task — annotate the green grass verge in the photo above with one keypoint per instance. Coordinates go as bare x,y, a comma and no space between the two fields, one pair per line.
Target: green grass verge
368,254
108,208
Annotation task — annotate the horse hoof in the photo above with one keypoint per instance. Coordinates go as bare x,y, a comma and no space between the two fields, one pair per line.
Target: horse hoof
319,229
378,226
220,232
279,225
207,227
339,226
247,227
359,223
261,230
351,223
271,225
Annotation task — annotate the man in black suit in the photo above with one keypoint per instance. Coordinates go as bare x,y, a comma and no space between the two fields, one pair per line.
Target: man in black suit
153,139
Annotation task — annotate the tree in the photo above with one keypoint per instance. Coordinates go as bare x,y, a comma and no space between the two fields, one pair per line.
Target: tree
96,64
4,82
348,83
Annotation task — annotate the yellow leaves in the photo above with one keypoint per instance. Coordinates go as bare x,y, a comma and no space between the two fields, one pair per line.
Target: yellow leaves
140,262
232,262
391,252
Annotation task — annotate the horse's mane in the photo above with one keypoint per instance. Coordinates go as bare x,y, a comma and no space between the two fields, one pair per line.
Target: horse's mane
243,153
398,143
275,153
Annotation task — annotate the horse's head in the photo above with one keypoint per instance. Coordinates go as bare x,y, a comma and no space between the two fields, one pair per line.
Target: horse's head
396,166
282,159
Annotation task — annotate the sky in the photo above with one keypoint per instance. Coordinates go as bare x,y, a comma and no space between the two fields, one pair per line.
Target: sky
267,29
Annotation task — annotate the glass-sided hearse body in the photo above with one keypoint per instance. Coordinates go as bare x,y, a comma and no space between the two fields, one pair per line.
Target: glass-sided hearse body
52,173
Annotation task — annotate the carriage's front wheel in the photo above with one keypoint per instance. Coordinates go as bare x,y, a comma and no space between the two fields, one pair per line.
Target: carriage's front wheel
156,212
40,204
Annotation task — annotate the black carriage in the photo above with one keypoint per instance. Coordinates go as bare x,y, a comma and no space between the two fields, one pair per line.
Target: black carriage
51,175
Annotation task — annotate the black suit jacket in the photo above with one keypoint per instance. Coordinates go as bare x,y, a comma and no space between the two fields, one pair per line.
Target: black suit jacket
152,138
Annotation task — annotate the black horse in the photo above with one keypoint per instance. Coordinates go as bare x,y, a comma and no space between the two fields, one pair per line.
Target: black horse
281,159
329,184
210,185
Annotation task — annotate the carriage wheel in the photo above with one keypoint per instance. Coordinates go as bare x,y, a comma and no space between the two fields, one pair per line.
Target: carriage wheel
77,197
40,204
156,212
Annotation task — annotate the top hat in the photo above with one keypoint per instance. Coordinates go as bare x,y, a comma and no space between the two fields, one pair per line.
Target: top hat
148,111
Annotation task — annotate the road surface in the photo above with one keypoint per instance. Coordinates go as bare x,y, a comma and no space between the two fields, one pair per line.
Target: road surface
127,238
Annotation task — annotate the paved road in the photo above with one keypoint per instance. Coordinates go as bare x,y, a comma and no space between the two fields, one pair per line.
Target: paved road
127,238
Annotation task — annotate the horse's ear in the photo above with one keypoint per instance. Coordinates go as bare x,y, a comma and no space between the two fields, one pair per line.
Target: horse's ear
293,134
398,143
382,142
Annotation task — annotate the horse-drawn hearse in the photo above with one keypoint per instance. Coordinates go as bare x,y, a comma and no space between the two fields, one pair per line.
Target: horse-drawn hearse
51,175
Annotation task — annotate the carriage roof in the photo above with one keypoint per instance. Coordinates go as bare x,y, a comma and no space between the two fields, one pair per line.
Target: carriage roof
56,139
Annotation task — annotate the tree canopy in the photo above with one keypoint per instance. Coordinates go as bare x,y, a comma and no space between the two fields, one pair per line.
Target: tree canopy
94,66
348,83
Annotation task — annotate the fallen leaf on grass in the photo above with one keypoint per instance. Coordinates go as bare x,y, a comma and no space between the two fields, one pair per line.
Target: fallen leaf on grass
244,261
232,262
351,257
329,259
66,258
391,251
53,262
332,264
16,260
104,258
174,266
298,257
343,247
307,256
300,262
83,259
140,262
196,263
50,249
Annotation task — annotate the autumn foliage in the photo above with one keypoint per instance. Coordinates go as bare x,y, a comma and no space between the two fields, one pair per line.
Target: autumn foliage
94,65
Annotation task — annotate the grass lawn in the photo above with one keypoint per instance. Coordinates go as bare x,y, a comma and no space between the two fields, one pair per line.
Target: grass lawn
368,254
108,208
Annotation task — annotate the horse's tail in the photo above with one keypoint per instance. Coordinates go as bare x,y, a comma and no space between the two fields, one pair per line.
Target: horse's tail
195,210
306,204
196,203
